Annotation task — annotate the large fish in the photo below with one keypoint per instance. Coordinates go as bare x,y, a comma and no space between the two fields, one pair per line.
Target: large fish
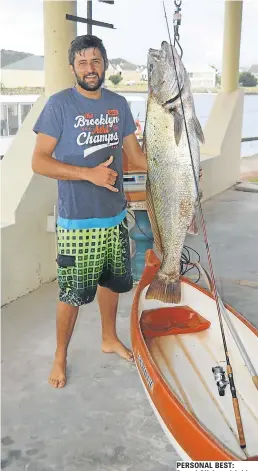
171,189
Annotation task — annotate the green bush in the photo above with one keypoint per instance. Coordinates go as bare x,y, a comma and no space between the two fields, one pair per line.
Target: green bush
115,79
246,79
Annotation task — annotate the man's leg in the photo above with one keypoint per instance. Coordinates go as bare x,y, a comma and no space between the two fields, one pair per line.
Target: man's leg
65,320
108,302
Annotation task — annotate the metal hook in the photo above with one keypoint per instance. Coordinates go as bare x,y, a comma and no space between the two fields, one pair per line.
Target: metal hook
178,44
177,23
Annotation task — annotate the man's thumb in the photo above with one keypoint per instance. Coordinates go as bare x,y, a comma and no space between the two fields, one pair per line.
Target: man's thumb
108,162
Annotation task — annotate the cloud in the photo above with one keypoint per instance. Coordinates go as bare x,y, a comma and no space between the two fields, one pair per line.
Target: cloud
22,26
140,24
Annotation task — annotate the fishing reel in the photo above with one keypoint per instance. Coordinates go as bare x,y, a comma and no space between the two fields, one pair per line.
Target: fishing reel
220,378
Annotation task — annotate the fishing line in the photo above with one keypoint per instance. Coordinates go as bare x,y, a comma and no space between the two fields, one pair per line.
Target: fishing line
229,368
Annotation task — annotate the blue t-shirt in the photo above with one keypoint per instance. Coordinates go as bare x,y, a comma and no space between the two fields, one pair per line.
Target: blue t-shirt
88,132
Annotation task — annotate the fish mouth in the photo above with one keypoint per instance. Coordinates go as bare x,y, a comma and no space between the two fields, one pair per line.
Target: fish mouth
157,52
164,71
154,53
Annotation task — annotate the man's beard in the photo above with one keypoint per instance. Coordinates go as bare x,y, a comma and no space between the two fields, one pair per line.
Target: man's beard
88,87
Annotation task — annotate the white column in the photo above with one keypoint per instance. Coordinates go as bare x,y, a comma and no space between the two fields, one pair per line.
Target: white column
58,34
231,47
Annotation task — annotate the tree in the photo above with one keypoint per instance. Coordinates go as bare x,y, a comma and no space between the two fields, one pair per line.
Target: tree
115,79
217,77
246,79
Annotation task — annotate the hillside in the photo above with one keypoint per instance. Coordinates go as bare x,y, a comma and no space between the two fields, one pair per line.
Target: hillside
9,56
126,65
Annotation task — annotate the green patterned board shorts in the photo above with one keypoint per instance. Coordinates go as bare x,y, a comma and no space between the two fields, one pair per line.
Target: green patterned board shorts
88,257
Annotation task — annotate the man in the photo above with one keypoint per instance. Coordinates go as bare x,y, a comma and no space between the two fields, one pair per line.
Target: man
86,127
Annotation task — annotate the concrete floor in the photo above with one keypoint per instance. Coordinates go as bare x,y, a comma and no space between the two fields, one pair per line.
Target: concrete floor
101,421
249,167
232,226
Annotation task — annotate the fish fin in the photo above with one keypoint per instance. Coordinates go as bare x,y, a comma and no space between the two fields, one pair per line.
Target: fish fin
193,228
152,217
144,150
178,125
198,129
164,290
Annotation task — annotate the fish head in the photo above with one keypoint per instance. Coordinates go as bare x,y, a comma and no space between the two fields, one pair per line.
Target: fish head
165,71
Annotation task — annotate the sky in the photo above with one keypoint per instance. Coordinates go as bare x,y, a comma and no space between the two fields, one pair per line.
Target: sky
140,24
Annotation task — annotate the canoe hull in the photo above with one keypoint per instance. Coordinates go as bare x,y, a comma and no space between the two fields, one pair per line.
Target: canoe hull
189,437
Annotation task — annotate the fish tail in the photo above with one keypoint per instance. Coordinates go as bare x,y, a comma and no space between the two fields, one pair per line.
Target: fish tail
164,289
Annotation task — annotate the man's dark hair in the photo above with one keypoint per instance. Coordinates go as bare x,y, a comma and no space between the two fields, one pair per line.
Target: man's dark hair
85,42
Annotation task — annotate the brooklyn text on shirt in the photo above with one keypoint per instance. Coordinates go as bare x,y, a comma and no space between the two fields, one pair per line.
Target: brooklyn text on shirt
89,120
102,130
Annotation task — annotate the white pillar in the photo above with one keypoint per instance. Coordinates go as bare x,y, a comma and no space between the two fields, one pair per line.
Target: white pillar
231,47
58,34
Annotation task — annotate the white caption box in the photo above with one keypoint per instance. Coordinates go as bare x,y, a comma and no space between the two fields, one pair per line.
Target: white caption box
215,465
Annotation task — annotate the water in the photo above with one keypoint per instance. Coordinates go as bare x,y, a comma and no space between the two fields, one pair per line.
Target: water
203,105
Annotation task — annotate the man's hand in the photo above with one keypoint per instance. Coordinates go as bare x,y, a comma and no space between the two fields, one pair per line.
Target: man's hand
43,163
102,175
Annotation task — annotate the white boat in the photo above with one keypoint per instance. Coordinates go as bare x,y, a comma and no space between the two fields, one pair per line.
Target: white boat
176,348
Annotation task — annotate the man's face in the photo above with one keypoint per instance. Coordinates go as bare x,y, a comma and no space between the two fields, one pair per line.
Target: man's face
89,69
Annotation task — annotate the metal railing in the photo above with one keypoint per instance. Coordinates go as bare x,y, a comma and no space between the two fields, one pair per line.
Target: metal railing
248,139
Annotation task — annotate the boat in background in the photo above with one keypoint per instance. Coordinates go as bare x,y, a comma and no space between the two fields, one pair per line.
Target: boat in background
14,109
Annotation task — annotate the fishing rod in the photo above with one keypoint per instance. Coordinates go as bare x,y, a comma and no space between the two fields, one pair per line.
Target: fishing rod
236,408
231,327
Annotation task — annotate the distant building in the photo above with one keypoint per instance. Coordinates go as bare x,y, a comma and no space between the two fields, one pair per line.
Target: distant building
254,70
243,69
114,69
27,72
131,73
202,77
144,75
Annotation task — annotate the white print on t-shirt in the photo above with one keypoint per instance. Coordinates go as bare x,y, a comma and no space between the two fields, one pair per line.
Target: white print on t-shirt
84,121
91,150
97,132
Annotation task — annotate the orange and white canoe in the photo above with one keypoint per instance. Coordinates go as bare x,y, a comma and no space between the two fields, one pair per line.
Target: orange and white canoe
175,349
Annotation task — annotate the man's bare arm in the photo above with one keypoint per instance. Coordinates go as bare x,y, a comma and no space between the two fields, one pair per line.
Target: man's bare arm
45,164
134,152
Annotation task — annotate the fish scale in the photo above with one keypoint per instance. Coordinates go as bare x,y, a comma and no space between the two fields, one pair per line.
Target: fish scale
171,190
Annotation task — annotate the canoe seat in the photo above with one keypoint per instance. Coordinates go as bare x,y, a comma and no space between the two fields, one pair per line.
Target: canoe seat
172,321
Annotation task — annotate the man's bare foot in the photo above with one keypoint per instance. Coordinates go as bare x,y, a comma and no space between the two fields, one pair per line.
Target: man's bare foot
57,377
115,346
